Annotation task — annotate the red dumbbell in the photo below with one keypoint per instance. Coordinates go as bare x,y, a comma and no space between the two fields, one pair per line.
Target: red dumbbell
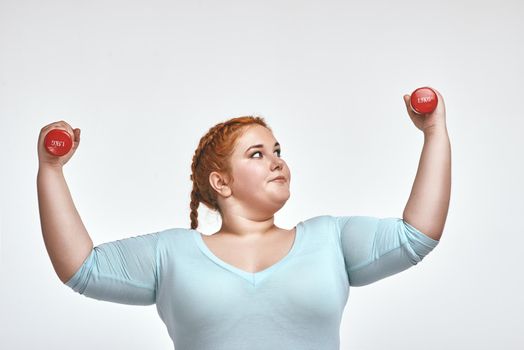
58,142
423,100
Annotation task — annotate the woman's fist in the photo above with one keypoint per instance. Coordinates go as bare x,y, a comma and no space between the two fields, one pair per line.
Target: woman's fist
47,158
429,121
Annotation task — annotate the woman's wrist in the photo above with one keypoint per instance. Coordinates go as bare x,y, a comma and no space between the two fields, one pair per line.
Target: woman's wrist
46,168
436,130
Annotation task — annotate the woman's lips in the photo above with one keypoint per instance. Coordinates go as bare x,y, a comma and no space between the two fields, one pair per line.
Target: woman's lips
279,179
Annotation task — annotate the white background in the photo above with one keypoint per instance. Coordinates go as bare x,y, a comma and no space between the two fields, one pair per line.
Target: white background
144,80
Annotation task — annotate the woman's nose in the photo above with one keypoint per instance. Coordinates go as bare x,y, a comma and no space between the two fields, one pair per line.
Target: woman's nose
277,162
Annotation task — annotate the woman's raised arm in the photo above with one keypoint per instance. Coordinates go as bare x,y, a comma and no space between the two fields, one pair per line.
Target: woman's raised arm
428,203
65,236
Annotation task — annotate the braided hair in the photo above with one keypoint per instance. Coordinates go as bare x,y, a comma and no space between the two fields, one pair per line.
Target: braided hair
213,154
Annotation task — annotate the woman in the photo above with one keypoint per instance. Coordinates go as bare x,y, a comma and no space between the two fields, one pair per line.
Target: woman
252,284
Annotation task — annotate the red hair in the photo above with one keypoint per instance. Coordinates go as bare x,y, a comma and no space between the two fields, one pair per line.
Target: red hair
213,154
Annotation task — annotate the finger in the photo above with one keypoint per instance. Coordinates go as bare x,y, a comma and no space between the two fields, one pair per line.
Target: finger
406,100
76,138
408,105
67,126
49,126
58,125
77,135
414,116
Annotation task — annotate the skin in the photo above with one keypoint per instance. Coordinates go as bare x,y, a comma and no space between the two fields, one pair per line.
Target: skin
428,203
66,239
249,203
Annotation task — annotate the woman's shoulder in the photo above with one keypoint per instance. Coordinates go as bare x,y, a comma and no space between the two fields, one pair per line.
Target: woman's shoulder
323,219
319,224
175,234
175,231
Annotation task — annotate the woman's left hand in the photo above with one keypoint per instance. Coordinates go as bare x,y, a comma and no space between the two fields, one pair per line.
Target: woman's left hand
430,121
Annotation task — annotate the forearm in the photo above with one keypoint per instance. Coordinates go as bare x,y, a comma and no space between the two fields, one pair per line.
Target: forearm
428,203
66,239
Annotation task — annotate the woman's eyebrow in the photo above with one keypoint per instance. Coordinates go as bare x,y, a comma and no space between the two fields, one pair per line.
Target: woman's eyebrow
260,145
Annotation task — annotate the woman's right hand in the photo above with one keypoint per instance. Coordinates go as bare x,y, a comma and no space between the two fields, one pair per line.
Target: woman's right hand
47,159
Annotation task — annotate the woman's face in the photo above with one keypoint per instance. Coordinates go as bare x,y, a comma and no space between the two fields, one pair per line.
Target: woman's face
255,163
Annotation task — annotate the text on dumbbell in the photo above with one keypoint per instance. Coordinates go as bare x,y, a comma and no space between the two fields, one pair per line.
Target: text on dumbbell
57,143
424,99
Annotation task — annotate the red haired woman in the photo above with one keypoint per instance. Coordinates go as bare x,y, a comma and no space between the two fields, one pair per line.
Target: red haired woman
252,284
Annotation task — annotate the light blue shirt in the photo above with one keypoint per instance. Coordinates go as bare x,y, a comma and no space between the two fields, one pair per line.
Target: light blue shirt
297,303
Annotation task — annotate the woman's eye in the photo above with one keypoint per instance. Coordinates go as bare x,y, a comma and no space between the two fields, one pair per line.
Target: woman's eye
278,152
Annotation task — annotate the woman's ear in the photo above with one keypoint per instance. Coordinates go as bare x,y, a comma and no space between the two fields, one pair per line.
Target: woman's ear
220,184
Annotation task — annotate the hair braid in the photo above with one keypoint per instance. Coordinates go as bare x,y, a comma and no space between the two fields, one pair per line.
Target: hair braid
194,208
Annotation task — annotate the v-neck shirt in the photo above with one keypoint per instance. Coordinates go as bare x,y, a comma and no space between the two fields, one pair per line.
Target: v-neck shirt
252,277
296,303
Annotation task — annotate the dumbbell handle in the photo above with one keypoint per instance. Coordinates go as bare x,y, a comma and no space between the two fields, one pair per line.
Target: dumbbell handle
423,100
58,142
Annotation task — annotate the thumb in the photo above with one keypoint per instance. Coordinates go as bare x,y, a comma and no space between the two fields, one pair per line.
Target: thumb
408,106
76,140
406,100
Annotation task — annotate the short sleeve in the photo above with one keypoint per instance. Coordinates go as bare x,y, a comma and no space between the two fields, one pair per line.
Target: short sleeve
375,248
123,271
